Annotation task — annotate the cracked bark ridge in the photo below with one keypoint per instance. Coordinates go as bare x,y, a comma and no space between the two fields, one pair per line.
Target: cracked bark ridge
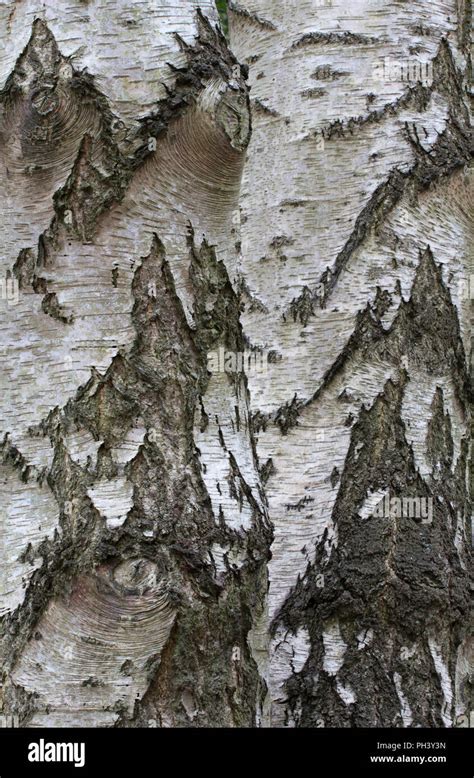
140,570
209,641
206,674
62,118
431,342
253,18
385,610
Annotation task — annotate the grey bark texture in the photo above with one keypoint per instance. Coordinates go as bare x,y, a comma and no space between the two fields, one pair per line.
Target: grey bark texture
189,546
356,247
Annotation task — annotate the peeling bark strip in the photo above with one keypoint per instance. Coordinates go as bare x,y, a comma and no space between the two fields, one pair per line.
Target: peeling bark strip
369,179
132,520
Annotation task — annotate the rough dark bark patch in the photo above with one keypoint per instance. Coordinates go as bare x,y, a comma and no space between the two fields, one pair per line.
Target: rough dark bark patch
158,383
396,576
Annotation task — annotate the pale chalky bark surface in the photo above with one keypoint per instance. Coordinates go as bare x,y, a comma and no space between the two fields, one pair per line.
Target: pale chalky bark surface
134,533
356,239
134,530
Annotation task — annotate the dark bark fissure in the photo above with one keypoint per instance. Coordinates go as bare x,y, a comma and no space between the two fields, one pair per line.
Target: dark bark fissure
206,674
103,152
453,150
254,18
403,579
161,382
395,577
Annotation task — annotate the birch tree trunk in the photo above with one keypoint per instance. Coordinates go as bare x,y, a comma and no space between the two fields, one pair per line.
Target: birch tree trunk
134,534
135,537
356,218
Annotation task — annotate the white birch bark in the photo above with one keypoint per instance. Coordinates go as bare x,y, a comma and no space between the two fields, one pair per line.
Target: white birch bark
133,520
356,229
134,535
